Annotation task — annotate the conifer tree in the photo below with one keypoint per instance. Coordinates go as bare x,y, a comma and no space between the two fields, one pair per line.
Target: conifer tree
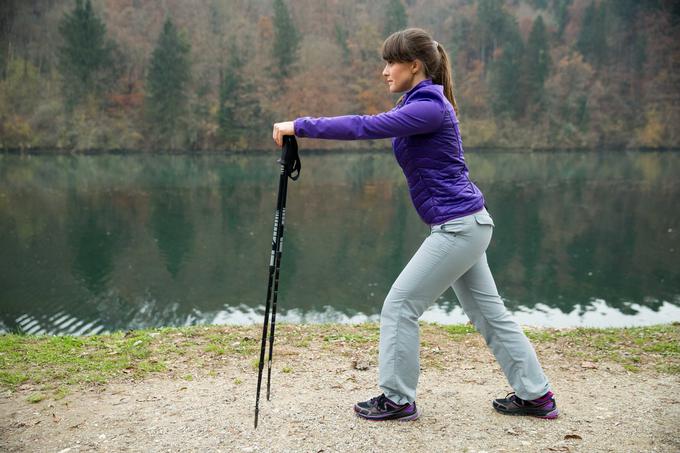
561,13
167,81
286,40
537,62
85,59
230,84
592,40
396,17
506,72
492,21
341,39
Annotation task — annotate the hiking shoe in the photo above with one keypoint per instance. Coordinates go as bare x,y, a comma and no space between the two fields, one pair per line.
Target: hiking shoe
543,407
382,408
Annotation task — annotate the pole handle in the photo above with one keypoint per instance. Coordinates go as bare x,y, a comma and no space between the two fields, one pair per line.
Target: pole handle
290,158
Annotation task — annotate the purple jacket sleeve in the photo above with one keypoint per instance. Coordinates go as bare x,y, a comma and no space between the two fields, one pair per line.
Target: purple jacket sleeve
417,117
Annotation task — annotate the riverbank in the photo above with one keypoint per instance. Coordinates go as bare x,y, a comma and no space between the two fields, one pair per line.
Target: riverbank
193,389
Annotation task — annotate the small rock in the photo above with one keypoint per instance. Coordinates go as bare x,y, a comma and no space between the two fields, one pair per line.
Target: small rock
589,365
360,364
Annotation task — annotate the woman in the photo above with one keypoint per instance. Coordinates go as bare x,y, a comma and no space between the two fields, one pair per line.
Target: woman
427,145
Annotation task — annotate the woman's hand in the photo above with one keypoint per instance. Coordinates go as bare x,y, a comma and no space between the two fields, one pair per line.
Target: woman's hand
281,129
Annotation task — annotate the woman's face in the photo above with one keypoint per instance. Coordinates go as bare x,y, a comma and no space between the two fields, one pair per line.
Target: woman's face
400,76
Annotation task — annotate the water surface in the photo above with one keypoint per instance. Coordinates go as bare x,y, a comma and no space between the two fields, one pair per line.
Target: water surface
93,244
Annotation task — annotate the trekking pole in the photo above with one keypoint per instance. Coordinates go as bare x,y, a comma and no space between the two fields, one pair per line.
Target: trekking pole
290,162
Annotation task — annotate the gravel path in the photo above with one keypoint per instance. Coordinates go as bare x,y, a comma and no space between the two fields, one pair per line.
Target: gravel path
603,407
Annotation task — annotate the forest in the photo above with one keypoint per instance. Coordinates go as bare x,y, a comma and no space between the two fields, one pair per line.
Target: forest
82,75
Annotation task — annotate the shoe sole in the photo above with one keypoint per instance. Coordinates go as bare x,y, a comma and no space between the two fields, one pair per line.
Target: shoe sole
408,418
550,415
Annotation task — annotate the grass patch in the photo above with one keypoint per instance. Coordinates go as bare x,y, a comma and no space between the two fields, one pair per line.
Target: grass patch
635,348
35,397
458,330
52,364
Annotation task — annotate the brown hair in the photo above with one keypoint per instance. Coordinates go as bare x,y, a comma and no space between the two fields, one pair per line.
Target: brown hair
415,43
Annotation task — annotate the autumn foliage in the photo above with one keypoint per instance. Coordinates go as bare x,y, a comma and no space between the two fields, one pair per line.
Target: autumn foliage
527,73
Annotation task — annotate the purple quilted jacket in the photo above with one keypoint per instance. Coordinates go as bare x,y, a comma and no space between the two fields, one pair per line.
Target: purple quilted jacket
427,144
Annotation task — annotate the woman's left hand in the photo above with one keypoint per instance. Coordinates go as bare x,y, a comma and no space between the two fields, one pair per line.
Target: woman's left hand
281,129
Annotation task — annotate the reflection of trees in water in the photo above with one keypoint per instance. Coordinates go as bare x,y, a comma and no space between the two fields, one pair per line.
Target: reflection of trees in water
585,245
95,235
83,251
172,228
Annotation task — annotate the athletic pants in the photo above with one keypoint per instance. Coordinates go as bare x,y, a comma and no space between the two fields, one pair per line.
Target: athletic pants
453,255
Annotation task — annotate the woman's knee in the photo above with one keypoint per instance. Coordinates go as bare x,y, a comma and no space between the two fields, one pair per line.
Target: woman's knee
404,303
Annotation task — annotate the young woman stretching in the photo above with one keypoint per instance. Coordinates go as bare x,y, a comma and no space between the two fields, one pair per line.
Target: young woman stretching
427,145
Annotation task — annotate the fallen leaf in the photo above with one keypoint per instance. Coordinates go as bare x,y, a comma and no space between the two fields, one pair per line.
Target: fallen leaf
573,436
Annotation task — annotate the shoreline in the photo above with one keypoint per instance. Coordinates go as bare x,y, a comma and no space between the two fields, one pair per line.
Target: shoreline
143,352
193,389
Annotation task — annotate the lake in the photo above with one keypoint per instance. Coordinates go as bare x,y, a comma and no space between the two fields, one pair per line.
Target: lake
99,243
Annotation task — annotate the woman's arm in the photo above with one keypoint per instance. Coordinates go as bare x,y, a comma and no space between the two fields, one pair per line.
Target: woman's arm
418,117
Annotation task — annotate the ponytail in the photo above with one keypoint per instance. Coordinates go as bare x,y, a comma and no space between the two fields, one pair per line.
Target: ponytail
444,77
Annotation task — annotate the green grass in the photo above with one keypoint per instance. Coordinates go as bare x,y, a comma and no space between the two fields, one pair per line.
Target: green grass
51,365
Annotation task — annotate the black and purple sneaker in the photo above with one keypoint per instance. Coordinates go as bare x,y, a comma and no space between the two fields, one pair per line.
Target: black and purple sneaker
382,408
543,407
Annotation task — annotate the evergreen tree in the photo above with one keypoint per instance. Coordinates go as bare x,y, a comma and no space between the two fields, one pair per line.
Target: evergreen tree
592,42
506,73
85,59
341,39
286,40
537,63
462,28
561,13
167,82
396,17
230,83
492,20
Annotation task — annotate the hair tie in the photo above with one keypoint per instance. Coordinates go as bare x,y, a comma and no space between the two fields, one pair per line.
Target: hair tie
436,44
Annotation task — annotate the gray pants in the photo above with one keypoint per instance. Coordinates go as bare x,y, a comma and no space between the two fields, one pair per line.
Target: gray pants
453,255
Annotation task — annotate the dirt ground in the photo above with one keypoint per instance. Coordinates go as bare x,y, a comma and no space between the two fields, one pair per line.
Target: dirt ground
604,407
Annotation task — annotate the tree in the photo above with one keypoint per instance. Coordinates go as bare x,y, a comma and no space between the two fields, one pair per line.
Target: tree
561,13
491,20
341,38
169,74
85,59
286,40
506,73
230,83
537,63
592,40
395,18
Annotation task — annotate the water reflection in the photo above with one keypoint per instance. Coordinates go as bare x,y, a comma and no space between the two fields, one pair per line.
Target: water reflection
102,243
